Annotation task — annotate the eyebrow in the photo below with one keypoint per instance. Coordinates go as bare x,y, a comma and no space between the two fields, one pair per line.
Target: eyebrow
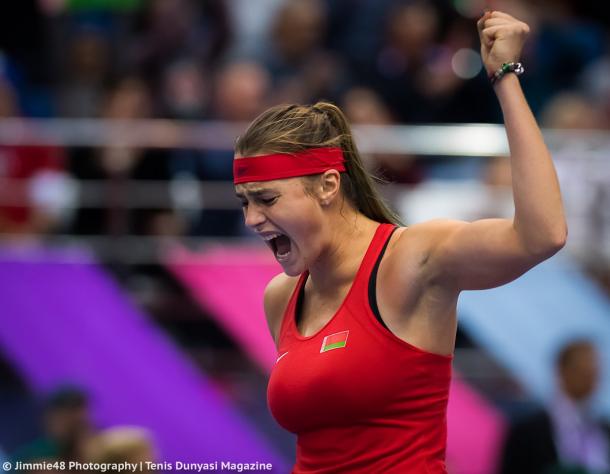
256,192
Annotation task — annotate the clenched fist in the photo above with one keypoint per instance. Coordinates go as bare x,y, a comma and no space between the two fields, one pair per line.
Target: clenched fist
502,38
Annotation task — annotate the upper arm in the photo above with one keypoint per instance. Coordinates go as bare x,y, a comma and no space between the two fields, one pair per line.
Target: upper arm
477,255
277,294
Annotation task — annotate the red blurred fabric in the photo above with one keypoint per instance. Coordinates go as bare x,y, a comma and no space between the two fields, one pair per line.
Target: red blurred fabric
23,163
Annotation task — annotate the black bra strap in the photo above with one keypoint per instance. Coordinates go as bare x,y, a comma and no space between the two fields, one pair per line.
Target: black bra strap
373,282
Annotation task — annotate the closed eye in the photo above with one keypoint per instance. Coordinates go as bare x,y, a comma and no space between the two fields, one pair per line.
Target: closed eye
268,201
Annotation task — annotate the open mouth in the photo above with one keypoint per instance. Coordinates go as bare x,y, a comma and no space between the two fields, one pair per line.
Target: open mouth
280,245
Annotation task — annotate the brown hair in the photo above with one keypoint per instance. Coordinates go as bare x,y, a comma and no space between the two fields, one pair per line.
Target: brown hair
294,128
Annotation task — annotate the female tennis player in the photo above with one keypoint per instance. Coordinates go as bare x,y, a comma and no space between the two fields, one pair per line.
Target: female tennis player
364,315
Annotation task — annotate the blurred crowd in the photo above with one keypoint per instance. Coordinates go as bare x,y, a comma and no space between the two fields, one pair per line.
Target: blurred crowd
385,62
566,437
68,434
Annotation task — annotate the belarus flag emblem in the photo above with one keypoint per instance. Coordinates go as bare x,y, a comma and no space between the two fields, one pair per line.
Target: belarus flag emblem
334,341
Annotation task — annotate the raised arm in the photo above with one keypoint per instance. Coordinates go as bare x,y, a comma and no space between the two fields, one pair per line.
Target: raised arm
490,252
539,218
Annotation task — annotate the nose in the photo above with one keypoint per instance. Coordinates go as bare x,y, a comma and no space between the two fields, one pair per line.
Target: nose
254,217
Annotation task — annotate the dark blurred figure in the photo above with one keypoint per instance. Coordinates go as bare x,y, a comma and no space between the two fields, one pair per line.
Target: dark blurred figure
566,438
171,29
185,95
87,72
67,429
117,166
365,107
563,46
240,92
302,70
23,38
184,90
427,67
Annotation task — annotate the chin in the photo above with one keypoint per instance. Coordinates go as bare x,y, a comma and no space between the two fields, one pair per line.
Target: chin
294,270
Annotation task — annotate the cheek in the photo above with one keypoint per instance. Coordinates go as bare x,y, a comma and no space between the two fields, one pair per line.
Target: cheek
307,221
302,222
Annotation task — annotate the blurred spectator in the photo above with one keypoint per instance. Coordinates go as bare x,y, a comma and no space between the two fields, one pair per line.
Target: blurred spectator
185,96
67,429
122,444
355,30
116,166
171,29
184,91
87,72
595,83
561,47
298,31
302,70
567,437
241,92
364,107
35,200
251,23
572,110
26,46
430,73
584,177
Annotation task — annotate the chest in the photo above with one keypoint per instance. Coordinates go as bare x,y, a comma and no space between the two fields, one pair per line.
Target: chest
312,313
328,379
349,373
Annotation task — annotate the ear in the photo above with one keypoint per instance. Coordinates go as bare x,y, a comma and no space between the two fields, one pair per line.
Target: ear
328,186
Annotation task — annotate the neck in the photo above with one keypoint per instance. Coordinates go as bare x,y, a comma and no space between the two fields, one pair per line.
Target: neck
349,236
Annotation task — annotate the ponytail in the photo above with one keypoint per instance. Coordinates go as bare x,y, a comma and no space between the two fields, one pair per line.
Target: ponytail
359,186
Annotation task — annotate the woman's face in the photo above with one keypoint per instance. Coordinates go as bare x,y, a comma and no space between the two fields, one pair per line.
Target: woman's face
287,218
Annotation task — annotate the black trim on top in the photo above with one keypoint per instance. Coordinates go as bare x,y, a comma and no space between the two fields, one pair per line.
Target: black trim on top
373,282
299,304
372,285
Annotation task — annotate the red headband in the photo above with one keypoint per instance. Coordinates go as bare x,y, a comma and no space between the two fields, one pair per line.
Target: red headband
278,166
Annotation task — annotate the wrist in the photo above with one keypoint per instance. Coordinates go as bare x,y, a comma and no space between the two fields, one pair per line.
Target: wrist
509,68
509,82
508,90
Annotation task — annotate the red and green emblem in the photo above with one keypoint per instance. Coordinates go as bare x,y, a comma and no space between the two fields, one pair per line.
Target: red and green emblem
334,341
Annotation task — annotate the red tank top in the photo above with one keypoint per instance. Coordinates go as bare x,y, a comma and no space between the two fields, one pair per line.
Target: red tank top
360,399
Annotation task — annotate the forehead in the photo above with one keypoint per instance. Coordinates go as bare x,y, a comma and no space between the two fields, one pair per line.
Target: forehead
253,188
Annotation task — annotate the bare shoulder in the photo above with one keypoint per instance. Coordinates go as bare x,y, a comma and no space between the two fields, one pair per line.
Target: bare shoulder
413,247
277,294
419,240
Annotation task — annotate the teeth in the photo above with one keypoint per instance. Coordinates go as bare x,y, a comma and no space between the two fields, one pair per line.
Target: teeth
270,236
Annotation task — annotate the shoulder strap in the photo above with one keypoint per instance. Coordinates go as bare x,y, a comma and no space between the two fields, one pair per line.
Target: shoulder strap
380,241
289,312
